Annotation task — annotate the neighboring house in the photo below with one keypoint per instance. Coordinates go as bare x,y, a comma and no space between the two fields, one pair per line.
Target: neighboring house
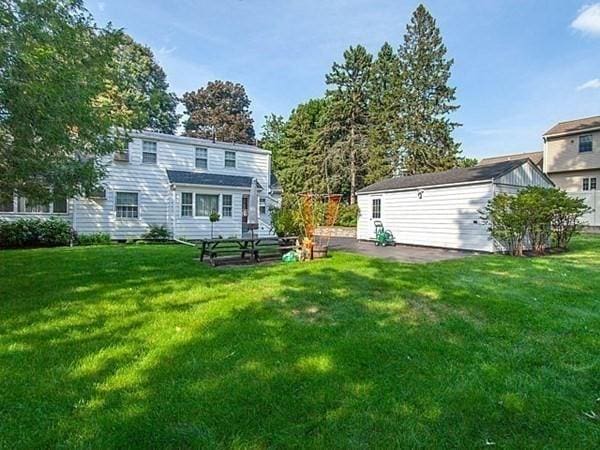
443,209
572,160
536,157
173,181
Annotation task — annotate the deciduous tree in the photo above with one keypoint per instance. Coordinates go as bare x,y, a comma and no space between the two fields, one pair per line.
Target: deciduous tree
221,111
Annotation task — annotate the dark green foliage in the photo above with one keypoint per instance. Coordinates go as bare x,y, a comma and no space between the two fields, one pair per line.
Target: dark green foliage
534,215
426,99
143,87
384,106
346,124
157,232
300,161
285,220
347,215
467,162
27,233
99,238
273,135
59,98
220,111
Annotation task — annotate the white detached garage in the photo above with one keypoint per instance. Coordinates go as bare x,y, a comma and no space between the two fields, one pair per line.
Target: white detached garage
442,209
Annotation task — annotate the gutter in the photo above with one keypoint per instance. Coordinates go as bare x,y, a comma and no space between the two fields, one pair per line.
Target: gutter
414,188
571,133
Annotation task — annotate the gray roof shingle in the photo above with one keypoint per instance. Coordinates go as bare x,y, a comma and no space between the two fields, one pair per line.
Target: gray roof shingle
452,176
210,179
535,157
574,126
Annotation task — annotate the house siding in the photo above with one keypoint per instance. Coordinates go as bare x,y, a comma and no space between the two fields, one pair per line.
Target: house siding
561,154
158,204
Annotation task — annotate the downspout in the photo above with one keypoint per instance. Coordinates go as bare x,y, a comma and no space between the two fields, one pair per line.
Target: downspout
73,220
174,215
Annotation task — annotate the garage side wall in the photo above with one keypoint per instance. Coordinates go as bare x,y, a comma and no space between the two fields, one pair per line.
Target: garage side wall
438,216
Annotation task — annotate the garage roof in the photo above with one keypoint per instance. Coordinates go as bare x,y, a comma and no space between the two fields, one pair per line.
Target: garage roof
454,176
210,179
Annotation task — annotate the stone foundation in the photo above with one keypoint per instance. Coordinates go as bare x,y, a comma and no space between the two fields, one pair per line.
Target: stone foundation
346,232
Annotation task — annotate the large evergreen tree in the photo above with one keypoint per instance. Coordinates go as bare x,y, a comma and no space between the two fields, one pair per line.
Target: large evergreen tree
221,111
143,85
273,134
384,106
427,99
299,164
347,115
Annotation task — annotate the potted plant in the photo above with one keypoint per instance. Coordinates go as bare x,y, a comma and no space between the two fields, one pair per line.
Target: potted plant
214,217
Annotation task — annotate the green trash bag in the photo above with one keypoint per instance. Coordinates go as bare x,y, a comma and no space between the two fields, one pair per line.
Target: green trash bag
290,256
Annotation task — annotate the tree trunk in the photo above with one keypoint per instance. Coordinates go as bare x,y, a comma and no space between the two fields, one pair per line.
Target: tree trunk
352,168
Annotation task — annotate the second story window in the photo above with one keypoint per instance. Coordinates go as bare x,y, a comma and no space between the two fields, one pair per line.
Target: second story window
585,143
149,152
201,158
230,159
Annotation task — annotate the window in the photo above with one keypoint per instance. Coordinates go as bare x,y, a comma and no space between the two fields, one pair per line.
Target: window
7,205
99,193
127,205
589,184
376,214
206,204
28,206
593,184
585,143
230,159
149,152
187,204
227,205
262,205
59,206
201,158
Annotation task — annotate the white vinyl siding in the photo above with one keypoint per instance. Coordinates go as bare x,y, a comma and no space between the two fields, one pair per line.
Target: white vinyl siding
149,152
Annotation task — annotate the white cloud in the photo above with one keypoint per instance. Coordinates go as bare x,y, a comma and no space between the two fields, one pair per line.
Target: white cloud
101,6
588,19
592,84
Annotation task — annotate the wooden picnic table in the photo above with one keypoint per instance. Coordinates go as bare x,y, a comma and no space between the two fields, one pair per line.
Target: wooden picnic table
251,246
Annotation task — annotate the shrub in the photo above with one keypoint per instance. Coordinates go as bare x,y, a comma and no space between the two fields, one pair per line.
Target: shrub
347,215
284,221
537,215
157,233
27,233
93,239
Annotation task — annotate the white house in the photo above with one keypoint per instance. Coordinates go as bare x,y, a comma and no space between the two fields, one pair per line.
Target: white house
442,209
173,181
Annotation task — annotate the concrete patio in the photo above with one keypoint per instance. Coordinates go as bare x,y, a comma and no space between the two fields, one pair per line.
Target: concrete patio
404,253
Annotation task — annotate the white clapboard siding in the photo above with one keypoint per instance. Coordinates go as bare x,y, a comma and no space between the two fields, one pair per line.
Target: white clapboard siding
443,217
524,175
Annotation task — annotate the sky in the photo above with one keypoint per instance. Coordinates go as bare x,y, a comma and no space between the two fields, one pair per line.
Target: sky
520,66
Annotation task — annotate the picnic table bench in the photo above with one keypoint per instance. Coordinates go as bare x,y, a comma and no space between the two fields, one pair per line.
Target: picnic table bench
240,249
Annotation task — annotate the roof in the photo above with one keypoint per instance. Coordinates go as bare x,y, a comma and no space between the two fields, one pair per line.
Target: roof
535,157
164,137
209,179
486,172
574,126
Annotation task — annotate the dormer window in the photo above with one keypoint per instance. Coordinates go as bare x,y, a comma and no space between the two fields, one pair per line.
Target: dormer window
149,152
230,159
585,143
201,158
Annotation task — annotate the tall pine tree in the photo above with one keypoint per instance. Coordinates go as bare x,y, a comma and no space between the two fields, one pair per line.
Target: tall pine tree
347,115
384,105
427,99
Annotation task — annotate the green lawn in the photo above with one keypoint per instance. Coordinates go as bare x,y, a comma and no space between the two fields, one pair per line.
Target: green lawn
140,346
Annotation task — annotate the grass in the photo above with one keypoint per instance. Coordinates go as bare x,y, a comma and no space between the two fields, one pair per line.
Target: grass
140,346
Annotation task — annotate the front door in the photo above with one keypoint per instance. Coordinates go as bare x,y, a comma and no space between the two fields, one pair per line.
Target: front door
245,199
